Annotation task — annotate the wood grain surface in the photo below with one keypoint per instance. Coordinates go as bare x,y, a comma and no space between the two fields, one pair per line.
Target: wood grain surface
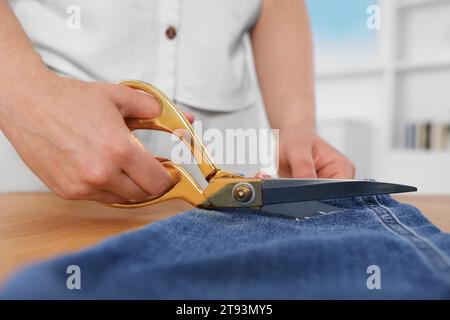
37,226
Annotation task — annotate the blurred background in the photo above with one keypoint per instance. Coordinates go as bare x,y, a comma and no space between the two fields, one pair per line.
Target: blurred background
383,90
383,87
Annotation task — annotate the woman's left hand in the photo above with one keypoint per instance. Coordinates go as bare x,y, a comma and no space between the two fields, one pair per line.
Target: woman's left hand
303,154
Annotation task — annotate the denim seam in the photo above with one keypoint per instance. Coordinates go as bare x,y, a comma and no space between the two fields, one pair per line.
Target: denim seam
432,255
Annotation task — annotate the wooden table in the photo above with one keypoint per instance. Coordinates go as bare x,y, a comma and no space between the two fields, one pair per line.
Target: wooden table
37,226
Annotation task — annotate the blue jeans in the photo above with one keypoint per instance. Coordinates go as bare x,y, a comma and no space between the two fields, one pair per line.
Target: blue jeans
371,248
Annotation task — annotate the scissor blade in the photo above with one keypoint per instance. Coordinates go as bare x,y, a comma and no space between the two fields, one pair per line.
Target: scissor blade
297,190
300,210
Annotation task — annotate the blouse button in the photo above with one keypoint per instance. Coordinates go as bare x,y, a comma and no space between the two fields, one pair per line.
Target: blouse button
171,32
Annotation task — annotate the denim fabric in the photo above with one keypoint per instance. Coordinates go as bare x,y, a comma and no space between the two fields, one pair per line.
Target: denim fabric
244,254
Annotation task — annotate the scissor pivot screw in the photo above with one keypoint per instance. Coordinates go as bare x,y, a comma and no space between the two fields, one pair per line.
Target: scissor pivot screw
243,193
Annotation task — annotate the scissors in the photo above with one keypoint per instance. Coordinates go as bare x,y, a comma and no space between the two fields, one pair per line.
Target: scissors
297,198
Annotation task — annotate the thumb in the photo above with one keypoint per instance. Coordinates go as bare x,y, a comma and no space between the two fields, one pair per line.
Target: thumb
134,103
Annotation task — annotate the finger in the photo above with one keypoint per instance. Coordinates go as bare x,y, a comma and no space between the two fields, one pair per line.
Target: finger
328,172
262,175
134,103
331,164
302,166
284,170
147,172
345,170
189,116
332,173
124,187
339,169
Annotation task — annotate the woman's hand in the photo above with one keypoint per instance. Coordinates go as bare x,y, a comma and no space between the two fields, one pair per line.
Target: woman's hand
73,136
303,154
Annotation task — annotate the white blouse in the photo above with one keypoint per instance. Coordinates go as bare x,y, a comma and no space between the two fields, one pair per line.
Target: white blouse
196,51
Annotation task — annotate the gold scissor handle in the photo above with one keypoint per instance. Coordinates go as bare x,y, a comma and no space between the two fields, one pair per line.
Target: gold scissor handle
172,120
184,188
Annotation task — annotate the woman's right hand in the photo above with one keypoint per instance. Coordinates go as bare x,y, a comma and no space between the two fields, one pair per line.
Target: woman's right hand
73,136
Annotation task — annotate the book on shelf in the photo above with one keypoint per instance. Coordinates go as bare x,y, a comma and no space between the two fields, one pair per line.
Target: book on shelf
427,136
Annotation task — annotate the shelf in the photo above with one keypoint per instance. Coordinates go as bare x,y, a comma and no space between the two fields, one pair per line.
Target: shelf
409,4
409,70
406,66
368,70
348,71
420,153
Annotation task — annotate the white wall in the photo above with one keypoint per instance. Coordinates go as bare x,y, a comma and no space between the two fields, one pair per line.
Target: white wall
15,176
